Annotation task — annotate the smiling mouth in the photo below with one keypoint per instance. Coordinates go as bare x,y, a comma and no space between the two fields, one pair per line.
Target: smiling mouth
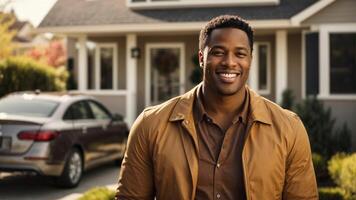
227,77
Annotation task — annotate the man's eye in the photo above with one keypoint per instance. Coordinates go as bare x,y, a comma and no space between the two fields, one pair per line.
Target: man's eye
217,53
240,54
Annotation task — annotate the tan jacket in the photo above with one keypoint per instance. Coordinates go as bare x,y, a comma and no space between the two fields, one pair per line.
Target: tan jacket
162,154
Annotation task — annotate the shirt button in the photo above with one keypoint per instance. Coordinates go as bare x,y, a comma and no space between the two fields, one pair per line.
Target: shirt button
218,196
218,165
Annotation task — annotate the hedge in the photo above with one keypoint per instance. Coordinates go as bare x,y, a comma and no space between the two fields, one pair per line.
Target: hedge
23,74
98,193
342,169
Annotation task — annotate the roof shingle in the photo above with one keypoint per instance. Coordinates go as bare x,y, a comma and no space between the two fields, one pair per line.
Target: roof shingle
110,12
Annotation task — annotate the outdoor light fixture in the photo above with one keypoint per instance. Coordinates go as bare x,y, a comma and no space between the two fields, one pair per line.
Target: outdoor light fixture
135,52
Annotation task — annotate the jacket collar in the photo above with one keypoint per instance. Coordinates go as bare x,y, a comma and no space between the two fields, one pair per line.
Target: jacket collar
184,107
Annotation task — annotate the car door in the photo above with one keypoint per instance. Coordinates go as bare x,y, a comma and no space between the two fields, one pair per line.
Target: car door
112,136
87,128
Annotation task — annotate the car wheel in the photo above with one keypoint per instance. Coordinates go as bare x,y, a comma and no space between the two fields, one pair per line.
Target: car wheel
73,170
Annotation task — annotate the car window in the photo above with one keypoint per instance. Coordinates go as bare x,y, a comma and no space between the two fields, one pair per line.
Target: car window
98,111
27,106
79,110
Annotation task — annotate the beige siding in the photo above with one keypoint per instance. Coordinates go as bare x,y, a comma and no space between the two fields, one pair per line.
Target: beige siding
271,40
121,43
344,111
115,103
191,47
339,11
295,64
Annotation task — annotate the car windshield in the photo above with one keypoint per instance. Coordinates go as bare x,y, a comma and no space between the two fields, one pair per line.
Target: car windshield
27,106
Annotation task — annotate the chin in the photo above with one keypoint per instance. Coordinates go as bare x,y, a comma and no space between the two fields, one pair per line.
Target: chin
229,91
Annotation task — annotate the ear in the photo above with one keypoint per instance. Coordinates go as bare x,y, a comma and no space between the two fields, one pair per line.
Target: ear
201,58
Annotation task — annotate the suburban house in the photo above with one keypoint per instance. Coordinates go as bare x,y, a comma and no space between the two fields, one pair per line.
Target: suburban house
134,53
26,36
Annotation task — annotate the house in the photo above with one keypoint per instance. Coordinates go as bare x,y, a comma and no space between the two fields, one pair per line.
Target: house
25,37
134,53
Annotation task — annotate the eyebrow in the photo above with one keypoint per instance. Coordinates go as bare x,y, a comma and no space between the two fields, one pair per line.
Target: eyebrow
222,47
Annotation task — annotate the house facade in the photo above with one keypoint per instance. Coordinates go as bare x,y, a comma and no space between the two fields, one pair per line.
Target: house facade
134,53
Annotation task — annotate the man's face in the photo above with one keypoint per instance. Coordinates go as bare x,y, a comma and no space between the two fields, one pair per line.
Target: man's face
226,61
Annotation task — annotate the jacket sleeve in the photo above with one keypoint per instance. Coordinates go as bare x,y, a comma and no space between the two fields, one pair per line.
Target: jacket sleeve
136,174
300,182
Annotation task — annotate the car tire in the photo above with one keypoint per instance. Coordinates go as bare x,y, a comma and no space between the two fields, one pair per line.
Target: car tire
73,170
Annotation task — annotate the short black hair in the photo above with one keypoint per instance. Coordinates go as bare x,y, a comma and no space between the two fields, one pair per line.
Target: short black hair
225,21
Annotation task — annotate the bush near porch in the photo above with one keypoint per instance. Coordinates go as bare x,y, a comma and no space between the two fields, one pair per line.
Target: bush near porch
23,74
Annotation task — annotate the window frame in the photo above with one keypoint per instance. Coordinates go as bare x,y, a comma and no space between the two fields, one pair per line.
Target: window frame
97,65
103,108
86,105
254,77
148,67
325,31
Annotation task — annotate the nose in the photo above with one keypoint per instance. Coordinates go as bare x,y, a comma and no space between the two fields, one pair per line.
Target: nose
230,60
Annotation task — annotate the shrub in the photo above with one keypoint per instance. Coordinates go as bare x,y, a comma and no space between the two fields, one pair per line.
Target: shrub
335,166
98,193
23,73
318,121
287,99
342,169
348,176
331,193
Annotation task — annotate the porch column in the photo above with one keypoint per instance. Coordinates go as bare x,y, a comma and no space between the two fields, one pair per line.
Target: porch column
83,64
253,78
281,64
131,79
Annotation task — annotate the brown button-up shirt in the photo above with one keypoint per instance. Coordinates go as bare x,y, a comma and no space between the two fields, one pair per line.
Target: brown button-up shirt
220,154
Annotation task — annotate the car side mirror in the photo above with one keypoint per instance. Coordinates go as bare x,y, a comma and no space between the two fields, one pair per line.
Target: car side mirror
117,117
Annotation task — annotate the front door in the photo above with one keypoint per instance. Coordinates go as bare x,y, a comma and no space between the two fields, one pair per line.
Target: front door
164,72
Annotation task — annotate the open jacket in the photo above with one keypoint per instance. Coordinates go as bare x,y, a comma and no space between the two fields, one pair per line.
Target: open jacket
162,153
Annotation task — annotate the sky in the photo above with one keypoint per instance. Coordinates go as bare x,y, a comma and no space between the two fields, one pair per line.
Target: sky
30,10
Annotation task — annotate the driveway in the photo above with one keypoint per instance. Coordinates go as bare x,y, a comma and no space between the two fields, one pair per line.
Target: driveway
21,186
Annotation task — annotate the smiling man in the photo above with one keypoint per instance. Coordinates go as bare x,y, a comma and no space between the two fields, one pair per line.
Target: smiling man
220,140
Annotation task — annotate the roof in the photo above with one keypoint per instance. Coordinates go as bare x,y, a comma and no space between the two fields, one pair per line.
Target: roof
115,12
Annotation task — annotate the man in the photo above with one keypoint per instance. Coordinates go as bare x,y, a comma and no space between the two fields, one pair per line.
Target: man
220,140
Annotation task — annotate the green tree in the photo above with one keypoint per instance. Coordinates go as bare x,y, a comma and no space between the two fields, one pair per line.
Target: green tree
6,35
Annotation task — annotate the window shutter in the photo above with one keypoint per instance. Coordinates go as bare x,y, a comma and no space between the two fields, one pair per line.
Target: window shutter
312,63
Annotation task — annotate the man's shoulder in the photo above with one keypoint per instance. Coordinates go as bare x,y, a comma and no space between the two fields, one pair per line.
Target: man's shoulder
161,110
279,114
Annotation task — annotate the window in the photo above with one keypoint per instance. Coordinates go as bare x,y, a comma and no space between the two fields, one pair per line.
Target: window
98,111
262,67
337,61
260,77
102,63
78,111
27,105
342,63
106,67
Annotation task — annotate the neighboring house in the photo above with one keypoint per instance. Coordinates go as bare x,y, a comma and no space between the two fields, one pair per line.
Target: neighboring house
26,37
134,53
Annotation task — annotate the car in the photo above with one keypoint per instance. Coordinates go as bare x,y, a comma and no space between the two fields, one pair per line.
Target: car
58,134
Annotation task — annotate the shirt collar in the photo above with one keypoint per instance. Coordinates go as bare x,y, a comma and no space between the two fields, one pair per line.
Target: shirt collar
200,112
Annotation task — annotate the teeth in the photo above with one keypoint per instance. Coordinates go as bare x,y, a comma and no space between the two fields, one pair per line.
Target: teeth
228,75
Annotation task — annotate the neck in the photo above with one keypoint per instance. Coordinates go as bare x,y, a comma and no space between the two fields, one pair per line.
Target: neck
215,103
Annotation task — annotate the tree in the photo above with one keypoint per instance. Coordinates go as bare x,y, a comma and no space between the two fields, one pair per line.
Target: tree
54,54
6,35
